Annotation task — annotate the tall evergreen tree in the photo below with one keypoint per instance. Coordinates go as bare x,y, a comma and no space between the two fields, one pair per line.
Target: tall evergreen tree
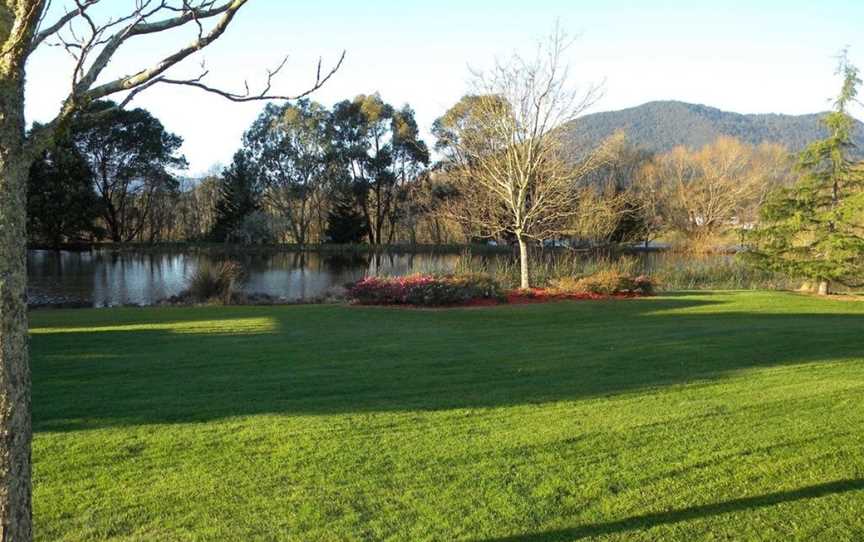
815,230
61,202
345,223
239,196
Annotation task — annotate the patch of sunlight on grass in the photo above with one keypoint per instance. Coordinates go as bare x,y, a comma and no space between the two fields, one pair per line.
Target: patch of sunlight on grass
235,326
756,303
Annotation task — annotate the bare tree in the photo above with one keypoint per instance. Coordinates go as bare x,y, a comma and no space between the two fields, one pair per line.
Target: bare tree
609,210
504,153
195,209
650,196
600,212
709,191
92,43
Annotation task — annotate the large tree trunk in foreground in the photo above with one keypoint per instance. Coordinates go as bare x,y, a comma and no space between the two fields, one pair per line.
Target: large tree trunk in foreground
525,281
15,428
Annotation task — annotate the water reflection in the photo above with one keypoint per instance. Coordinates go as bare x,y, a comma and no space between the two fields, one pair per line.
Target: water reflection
104,278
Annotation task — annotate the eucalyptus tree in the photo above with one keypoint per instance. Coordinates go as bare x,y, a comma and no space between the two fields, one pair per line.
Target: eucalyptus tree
381,148
291,145
93,32
410,158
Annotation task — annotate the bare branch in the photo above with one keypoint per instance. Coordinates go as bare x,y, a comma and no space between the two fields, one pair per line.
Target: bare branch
42,35
139,28
247,96
103,39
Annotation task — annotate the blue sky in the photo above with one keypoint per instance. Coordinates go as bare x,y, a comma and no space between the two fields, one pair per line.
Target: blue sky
756,56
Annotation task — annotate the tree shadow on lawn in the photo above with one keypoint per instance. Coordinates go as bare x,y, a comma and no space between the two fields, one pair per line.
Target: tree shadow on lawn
121,369
648,521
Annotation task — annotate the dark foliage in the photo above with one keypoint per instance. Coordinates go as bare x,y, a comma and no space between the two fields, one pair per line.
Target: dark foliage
239,196
132,158
345,223
61,202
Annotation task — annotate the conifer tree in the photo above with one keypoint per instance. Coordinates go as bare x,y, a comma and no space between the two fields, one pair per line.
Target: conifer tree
345,223
815,229
239,196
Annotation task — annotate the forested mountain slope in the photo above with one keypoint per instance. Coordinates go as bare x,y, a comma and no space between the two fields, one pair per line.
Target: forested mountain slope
661,126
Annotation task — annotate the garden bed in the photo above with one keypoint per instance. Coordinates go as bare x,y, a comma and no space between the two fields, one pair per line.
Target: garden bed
426,291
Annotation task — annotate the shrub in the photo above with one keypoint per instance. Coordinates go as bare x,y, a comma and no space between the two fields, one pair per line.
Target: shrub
424,290
214,281
605,282
643,285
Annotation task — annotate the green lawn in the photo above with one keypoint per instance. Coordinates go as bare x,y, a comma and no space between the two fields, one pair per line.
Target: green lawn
728,416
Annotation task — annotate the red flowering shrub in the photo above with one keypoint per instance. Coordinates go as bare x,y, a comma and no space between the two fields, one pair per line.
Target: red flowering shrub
424,290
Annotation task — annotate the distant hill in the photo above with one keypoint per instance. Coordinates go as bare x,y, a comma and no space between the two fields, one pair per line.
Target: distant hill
661,126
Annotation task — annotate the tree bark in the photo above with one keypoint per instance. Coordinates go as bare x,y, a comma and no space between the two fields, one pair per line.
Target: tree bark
525,281
15,427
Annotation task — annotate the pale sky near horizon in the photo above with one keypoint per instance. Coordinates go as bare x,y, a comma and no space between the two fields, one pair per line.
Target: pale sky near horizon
745,56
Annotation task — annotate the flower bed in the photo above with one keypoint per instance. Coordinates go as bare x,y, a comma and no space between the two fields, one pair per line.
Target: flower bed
425,291
540,295
482,290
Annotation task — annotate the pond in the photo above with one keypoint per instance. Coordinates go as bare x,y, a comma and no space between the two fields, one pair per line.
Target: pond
102,278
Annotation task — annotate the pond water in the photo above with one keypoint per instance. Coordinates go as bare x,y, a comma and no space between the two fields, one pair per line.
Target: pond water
105,278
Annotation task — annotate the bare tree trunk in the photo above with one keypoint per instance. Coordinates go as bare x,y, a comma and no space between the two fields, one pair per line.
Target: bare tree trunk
15,428
525,282
824,287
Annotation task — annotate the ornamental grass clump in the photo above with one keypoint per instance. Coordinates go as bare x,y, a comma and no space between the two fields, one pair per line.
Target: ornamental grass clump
214,282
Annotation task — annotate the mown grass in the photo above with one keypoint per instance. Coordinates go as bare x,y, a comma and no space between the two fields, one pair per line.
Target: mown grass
703,416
